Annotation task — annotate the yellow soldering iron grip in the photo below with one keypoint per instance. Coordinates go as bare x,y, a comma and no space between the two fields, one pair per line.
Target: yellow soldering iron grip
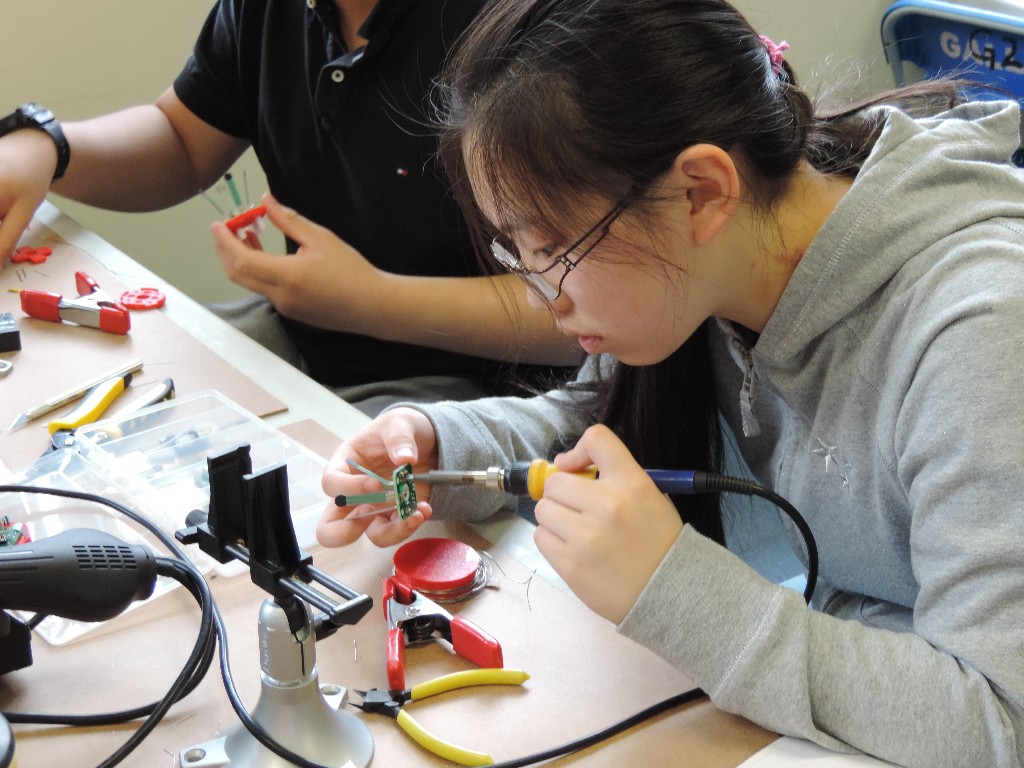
440,747
541,470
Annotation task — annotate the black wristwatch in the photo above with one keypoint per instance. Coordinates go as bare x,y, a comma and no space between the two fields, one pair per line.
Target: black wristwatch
33,116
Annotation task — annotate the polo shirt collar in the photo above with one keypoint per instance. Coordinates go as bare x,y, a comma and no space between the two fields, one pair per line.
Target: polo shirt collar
386,14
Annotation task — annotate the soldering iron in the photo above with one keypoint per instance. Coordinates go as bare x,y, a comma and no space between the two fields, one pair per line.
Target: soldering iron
527,478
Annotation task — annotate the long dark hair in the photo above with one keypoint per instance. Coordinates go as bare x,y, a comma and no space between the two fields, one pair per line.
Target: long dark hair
563,101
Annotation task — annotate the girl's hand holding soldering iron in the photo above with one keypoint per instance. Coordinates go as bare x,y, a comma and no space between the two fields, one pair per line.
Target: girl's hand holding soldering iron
604,537
399,436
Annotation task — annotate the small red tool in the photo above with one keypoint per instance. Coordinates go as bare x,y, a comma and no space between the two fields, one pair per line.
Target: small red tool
143,298
92,308
247,226
28,253
412,619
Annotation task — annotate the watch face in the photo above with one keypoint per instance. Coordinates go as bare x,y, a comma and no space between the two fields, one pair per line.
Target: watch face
36,114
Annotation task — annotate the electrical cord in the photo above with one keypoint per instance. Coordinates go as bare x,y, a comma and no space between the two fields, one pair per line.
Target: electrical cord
605,733
707,482
703,482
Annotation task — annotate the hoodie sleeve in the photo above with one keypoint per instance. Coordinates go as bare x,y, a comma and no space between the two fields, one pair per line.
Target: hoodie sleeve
937,682
759,652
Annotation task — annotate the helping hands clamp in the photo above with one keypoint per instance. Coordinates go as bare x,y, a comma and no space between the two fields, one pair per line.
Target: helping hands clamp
93,308
412,618
250,520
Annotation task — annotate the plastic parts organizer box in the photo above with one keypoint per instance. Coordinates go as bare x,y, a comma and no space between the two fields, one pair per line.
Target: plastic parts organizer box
982,41
159,459
155,463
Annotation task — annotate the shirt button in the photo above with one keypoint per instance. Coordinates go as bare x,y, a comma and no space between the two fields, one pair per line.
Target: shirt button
311,4
338,75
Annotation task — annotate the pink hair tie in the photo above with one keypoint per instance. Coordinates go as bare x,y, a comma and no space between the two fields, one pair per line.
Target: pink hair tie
775,54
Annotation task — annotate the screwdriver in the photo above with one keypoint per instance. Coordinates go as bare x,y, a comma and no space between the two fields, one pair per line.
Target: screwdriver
524,478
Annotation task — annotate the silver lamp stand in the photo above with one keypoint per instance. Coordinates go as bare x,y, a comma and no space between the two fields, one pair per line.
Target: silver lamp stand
294,709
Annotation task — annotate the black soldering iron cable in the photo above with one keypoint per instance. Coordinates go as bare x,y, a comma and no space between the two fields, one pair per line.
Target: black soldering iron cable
194,670
605,733
180,569
707,482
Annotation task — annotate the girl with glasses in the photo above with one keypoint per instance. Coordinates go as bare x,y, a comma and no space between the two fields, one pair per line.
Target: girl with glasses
831,299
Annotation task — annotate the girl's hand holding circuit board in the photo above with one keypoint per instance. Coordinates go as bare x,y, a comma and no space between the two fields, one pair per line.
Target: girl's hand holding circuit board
396,438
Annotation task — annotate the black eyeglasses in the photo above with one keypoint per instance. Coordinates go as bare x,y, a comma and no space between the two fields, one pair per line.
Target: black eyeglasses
507,254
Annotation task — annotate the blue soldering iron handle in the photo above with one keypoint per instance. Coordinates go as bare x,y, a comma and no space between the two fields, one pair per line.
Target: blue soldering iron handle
673,480
695,481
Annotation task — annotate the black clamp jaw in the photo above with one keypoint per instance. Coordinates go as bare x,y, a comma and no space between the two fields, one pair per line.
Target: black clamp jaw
250,520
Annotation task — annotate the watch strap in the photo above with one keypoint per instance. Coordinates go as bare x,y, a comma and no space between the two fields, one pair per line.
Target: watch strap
32,115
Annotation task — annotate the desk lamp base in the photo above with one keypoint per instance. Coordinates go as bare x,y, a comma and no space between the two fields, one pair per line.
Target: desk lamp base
293,708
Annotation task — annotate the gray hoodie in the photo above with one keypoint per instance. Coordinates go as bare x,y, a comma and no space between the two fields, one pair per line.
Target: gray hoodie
884,400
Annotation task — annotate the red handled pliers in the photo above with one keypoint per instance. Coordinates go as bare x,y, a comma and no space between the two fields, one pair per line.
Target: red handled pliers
412,618
92,307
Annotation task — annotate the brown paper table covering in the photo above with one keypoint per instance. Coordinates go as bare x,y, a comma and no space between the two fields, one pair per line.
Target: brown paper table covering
56,357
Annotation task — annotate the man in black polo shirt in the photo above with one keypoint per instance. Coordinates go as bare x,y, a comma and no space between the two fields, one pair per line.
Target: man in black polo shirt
382,298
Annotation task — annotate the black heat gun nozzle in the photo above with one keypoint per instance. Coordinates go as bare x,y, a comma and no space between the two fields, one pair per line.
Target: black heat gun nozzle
82,574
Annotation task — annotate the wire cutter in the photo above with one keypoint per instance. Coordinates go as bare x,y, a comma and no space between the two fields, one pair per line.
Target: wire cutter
390,703
92,307
413,618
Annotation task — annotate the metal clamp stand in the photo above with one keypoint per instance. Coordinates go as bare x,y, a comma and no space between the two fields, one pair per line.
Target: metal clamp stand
250,520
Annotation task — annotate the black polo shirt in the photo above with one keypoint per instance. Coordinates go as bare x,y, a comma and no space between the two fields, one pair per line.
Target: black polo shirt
340,135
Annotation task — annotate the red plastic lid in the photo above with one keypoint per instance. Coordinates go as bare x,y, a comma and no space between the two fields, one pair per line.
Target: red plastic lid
436,565
143,298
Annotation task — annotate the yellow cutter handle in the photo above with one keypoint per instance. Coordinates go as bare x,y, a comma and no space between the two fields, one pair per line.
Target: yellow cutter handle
440,747
93,404
467,679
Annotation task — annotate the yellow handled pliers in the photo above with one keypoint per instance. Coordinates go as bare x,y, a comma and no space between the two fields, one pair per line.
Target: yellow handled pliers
390,703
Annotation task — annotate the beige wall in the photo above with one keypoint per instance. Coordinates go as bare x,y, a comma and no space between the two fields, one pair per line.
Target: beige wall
83,58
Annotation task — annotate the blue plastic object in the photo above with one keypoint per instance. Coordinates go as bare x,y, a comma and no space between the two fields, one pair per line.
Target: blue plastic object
981,41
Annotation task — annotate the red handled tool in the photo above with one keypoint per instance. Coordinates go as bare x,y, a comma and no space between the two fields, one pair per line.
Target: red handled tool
92,307
412,618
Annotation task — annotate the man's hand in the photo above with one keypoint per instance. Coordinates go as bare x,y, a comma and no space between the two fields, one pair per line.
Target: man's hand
27,161
326,283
